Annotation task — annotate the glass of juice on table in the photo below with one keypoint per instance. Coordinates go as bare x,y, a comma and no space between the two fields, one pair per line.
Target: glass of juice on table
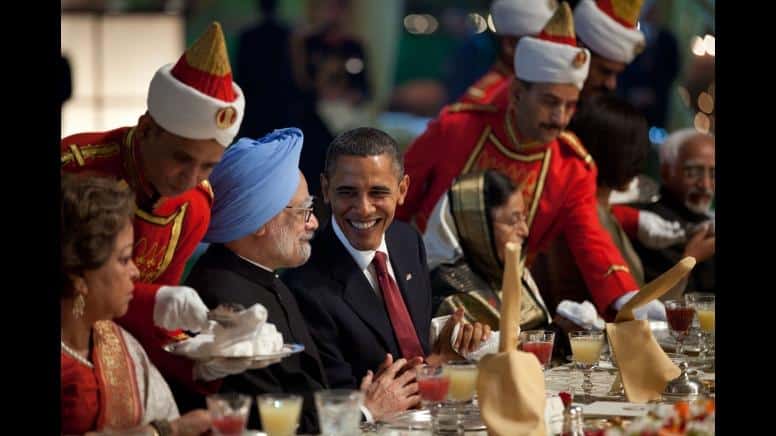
433,385
586,346
704,309
279,413
680,315
229,413
463,385
540,343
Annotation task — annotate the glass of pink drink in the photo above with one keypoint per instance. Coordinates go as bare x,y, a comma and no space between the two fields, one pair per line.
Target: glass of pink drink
540,343
679,314
433,384
229,413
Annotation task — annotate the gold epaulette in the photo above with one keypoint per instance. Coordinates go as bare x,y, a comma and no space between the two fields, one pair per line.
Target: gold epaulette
477,90
575,144
81,153
205,185
474,107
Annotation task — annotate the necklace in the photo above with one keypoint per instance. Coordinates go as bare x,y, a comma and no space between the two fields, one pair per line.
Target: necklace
75,354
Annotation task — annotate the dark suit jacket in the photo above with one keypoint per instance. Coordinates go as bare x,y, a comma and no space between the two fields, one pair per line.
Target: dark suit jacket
220,276
348,321
703,277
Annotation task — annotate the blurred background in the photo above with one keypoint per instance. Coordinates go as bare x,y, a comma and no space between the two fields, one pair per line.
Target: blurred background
329,65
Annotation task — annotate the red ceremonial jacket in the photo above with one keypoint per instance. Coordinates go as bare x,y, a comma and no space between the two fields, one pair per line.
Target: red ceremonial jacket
558,182
167,230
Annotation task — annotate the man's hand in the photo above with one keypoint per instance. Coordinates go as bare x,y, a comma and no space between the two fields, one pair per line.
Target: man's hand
393,390
470,336
701,246
179,307
388,362
657,233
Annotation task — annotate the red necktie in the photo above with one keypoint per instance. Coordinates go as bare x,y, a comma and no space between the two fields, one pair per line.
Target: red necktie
397,310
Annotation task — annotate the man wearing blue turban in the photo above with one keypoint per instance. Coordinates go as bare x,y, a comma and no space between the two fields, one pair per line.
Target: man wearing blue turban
262,221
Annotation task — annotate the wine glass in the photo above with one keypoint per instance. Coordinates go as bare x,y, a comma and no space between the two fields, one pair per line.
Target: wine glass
463,384
680,315
433,384
586,349
704,309
539,343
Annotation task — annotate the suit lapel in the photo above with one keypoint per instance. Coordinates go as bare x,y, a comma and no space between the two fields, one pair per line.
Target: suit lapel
357,292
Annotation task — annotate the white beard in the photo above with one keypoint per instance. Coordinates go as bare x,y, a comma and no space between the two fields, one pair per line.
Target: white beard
700,208
286,245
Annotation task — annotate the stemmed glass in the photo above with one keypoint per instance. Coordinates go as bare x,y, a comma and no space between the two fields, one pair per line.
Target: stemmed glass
680,315
433,384
586,349
695,330
229,413
540,343
463,384
704,309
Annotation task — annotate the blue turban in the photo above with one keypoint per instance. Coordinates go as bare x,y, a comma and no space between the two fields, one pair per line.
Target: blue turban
253,182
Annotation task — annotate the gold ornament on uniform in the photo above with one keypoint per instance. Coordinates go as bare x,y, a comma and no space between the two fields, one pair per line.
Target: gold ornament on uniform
627,10
209,54
561,24
580,59
226,117
79,304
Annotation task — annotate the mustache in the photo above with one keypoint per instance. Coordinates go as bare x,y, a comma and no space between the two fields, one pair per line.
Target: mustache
701,191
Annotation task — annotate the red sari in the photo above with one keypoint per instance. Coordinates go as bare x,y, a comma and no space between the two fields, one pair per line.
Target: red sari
105,395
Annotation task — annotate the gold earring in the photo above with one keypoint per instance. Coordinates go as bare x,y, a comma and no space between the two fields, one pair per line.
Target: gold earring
78,306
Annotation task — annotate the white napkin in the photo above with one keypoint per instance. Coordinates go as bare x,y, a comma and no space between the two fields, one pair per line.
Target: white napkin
583,315
487,347
553,414
250,336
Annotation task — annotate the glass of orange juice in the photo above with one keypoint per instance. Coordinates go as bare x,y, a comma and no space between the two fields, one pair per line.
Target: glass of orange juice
463,385
704,310
279,413
586,346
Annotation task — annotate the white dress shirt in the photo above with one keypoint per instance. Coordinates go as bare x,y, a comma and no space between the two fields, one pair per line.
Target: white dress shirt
364,259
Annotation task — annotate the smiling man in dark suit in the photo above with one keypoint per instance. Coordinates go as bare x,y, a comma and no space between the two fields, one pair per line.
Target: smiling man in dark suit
262,222
365,292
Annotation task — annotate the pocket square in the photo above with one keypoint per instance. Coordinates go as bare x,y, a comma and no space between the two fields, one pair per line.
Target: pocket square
409,277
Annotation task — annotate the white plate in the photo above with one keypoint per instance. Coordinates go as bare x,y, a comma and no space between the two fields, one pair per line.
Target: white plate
182,348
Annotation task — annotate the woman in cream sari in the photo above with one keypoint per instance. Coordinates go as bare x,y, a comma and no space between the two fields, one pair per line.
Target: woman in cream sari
108,383
465,239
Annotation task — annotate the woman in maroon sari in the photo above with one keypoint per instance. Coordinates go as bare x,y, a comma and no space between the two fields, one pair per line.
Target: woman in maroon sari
108,383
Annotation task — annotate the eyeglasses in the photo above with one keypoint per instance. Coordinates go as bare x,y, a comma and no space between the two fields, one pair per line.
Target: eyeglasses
516,219
308,211
694,172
